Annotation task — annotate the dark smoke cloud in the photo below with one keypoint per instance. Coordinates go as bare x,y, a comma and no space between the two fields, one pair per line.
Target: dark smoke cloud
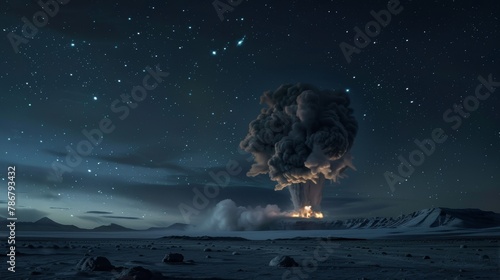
304,135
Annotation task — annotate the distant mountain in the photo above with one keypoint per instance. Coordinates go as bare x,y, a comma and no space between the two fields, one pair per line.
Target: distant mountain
463,218
45,224
426,218
112,227
176,226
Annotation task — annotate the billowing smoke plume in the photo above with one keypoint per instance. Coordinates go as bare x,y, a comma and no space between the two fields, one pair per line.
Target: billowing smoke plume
228,216
301,139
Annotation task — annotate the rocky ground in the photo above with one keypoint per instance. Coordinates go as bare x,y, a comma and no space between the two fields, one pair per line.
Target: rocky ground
227,258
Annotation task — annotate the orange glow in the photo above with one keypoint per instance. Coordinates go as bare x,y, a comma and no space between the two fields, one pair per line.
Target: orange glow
307,212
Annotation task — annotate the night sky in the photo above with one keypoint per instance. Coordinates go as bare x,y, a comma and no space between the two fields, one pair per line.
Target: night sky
79,69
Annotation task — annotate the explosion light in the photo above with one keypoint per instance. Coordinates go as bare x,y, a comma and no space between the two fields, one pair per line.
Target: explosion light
307,213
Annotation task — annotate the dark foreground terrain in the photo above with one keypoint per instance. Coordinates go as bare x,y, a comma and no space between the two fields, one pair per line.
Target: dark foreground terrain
237,258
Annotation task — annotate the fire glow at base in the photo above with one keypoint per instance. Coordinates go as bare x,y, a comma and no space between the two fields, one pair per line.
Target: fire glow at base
307,212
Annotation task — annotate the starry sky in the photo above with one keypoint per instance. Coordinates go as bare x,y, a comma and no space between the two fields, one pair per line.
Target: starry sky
79,69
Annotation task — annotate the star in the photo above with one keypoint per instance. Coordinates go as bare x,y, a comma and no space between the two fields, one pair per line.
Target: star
240,42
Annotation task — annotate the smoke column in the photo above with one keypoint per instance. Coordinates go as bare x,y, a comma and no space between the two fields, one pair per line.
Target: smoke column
302,138
307,194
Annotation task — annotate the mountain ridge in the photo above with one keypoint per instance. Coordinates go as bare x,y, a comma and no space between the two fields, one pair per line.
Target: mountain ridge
469,218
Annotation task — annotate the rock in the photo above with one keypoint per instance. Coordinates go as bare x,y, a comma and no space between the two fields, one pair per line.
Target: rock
136,273
408,255
283,261
207,250
94,264
17,252
173,258
426,257
36,273
235,253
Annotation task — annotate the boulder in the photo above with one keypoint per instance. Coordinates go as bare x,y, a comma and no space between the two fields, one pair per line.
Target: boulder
94,264
283,261
135,273
173,258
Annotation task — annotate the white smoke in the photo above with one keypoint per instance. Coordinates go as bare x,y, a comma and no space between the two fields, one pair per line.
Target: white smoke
228,216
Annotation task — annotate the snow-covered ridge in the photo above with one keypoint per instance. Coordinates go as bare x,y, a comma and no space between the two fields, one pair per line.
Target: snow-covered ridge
425,218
